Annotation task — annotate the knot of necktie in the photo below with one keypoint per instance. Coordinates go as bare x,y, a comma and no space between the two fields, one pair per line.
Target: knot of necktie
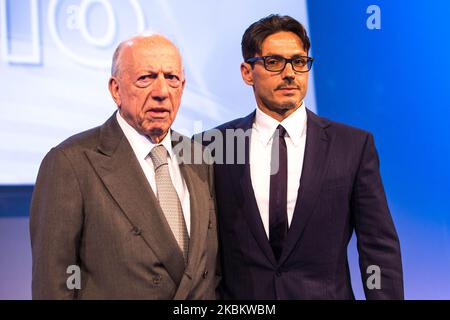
280,131
158,156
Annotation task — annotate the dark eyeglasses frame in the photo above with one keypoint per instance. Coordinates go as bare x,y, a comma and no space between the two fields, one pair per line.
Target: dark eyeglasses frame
309,62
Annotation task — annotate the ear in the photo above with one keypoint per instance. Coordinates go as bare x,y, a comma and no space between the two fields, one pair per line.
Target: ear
113,86
183,82
247,73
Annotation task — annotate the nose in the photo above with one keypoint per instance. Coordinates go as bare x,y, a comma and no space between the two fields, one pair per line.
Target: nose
160,91
288,72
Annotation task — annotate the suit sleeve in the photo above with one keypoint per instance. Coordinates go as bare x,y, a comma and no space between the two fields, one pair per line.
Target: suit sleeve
218,275
377,240
56,218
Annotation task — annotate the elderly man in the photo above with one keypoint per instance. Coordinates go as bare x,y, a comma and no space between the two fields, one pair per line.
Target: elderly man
116,213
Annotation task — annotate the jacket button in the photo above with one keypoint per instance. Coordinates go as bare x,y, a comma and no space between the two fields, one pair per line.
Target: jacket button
136,231
278,274
205,274
157,279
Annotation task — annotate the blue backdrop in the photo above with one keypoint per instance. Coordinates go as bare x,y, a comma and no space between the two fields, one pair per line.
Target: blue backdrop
392,81
395,83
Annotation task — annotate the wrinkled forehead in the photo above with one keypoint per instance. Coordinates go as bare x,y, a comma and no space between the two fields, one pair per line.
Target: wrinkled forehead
156,54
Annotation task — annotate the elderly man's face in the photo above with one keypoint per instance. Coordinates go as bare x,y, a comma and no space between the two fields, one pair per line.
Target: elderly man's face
149,85
278,93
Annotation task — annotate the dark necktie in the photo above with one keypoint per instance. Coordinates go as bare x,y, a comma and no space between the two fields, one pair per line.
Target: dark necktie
278,222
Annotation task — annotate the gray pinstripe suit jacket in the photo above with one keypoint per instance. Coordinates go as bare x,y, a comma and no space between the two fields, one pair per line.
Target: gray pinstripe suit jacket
93,207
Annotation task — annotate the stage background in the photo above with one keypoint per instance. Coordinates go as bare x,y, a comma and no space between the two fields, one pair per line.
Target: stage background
392,81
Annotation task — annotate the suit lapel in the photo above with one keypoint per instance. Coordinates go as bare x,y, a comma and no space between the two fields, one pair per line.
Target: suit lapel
314,167
240,174
199,205
118,168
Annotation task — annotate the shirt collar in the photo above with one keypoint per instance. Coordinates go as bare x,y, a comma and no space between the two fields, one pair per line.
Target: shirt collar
295,125
141,144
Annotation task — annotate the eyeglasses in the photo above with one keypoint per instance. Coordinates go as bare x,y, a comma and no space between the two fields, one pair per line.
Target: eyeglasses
278,63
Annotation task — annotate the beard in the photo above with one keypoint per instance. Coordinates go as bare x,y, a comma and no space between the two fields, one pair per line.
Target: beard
280,107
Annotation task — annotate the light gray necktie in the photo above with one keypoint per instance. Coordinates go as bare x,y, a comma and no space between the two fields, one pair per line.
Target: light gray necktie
168,198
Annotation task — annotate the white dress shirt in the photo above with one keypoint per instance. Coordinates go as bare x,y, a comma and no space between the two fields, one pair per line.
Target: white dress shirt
261,140
142,146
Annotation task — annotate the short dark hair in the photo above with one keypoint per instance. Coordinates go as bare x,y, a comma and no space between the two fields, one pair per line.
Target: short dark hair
258,31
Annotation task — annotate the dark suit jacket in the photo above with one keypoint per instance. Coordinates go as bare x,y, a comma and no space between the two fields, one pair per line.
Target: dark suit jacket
93,207
340,191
